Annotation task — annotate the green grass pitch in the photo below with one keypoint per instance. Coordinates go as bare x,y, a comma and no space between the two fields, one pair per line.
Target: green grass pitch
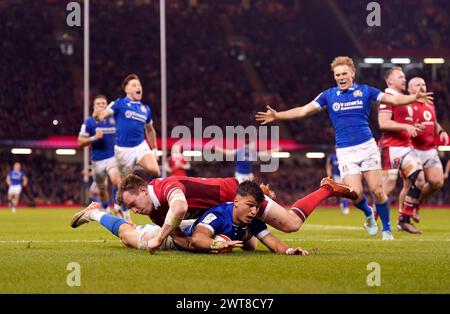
36,245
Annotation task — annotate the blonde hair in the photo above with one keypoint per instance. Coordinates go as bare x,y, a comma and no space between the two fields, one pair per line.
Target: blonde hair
390,71
342,60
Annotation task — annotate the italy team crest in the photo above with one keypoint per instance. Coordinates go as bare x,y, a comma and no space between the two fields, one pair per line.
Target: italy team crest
357,93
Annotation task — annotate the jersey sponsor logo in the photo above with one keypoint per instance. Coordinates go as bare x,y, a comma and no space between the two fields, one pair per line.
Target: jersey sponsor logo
410,111
427,115
349,105
357,93
110,130
135,116
209,218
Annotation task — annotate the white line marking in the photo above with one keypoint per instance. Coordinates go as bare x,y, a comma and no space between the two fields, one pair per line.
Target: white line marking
57,241
365,240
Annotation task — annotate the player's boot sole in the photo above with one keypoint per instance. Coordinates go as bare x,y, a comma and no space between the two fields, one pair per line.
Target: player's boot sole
83,216
339,189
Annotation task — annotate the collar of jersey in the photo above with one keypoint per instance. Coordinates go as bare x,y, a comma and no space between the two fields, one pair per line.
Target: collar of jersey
131,101
153,196
354,86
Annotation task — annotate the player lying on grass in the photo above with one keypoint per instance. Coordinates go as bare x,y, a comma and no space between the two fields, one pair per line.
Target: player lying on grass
232,219
168,201
195,196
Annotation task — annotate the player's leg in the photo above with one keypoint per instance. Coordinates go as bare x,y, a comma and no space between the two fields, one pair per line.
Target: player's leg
115,177
130,235
413,171
343,202
14,194
402,195
434,177
14,202
10,197
147,159
389,180
101,180
291,220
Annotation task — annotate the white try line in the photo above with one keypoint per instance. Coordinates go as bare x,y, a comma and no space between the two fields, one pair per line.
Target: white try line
366,240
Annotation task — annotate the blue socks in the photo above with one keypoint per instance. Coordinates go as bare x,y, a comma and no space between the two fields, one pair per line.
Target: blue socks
112,223
345,203
384,214
364,207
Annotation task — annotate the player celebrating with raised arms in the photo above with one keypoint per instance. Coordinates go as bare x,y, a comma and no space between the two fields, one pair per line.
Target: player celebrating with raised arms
133,124
348,106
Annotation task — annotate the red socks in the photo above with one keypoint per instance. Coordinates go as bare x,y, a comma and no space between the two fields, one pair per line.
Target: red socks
305,206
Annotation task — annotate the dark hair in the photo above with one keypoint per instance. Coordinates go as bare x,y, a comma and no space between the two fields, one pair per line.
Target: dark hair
131,183
129,78
100,96
251,188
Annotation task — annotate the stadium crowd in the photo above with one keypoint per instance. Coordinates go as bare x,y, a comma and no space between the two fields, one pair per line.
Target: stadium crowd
205,75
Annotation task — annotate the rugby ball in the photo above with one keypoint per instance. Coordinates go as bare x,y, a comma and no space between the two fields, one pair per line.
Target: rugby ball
223,238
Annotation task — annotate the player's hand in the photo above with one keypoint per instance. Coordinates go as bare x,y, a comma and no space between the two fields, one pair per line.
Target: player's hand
266,117
444,138
98,134
414,129
297,251
153,244
227,245
423,97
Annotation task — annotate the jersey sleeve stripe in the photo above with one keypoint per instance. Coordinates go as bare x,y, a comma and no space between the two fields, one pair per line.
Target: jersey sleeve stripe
317,105
380,96
206,226
263,233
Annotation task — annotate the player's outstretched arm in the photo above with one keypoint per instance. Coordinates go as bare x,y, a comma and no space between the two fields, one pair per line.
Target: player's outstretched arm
177,210
202,241
401,100
295,113
277,246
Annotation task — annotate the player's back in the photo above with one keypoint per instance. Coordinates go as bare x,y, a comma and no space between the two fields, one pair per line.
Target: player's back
201,194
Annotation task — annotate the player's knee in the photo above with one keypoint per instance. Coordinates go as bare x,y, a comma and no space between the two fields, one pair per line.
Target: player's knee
417,179
436,183
378,193
124,235
292,226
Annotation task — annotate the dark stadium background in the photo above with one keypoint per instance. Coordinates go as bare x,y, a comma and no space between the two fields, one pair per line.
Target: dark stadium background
226,59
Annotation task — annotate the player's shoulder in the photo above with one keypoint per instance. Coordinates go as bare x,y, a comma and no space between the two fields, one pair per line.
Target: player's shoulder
221,211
